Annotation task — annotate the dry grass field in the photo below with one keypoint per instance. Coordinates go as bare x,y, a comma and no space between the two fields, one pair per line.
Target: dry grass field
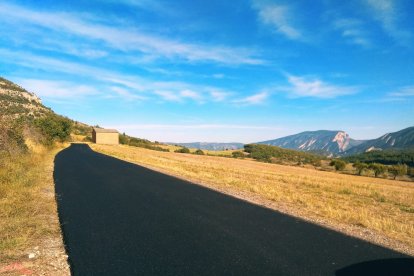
173,148
30,237
378,210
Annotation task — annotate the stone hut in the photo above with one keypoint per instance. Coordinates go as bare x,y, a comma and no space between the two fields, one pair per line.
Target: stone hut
105,136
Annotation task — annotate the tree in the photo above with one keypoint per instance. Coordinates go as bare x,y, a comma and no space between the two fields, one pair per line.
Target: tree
360,167
123,139
378,169
183,150
338,164
199,152
237,154
411,171
398,170
54,127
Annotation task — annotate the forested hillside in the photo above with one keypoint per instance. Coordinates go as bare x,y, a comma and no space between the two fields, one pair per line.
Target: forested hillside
386,157
273,154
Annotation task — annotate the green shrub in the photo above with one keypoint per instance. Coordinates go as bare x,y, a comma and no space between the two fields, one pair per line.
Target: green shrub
199,152
54,128
338,164
11,137
237,154
142,143
123,139
360,167
411,171
183,150
378,169
398,170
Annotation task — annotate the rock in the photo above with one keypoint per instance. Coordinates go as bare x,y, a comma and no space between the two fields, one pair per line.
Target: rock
32,255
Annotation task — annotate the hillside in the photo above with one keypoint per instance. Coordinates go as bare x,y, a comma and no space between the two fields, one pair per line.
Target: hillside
15,102
403,139
322,141
210,146
24,121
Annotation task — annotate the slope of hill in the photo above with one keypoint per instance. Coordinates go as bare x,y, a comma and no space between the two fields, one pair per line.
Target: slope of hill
321,141
15,101
25,120
210,146
403,139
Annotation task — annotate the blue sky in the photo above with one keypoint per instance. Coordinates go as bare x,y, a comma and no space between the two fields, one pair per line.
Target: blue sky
195,70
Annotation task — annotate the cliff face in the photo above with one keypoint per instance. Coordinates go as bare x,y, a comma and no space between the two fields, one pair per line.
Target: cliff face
15,101
323,141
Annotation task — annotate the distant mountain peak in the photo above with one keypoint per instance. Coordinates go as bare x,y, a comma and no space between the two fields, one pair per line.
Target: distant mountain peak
342,139
210,145
328,142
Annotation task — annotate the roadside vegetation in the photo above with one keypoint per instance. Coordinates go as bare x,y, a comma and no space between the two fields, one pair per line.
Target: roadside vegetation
29,228
30,237
377,209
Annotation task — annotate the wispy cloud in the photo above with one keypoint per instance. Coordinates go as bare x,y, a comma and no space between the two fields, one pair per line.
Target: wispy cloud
279,17
52,89
179,96
126,86
253,99
218,95
127,94
316,88
352,31
387,13
144,4
402,93
196,126
126,39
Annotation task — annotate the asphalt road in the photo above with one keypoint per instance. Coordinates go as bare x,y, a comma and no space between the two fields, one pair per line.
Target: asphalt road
122,219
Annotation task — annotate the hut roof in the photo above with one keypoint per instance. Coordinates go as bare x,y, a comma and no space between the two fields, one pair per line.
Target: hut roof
104,130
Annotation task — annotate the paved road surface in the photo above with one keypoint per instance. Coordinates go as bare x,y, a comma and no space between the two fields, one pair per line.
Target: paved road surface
123,219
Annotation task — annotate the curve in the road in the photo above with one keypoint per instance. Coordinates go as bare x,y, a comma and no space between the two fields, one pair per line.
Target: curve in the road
122,219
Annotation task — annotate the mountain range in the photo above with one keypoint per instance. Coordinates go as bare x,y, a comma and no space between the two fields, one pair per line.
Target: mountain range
321,141
337,143
210,146
403,139
325,142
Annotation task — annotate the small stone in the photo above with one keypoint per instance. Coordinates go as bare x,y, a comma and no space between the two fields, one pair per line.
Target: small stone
32,255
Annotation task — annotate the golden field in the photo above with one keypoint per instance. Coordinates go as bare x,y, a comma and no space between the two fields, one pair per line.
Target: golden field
378,210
